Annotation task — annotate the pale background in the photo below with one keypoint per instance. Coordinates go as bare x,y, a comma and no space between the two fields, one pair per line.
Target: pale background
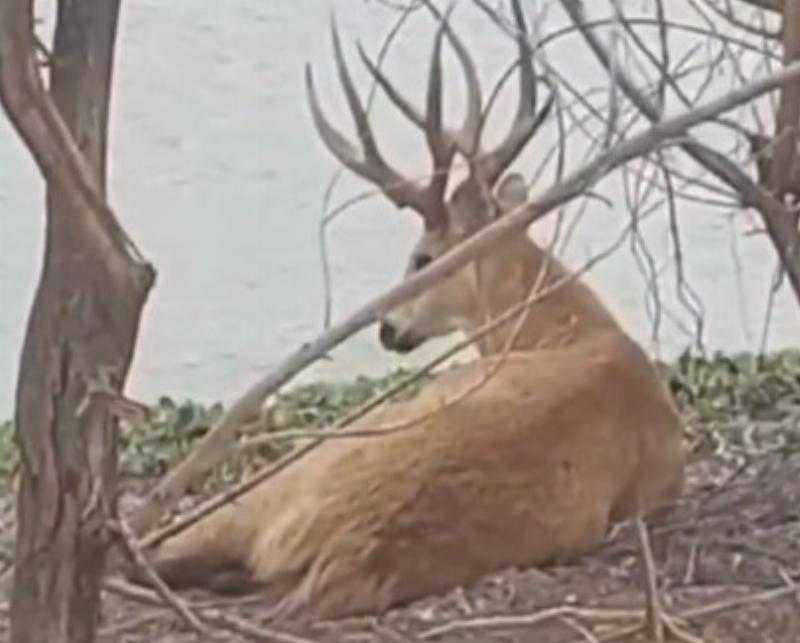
218,175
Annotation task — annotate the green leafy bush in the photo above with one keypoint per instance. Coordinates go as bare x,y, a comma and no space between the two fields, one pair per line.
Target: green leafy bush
766,387
8,452
740,405
719,396
321,404
151,448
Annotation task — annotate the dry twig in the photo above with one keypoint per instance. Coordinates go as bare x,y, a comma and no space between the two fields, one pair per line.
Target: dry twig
213,446
599,615
317,437
163,590
526,620
212,617
780,225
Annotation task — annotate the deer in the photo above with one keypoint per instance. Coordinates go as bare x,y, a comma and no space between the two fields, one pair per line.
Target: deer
572,431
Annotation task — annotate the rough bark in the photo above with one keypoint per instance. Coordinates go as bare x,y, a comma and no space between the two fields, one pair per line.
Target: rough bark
82,328
778,161
782,178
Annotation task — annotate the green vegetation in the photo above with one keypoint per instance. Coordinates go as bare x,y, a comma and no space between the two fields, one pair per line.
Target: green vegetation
740,403
726,400
151,448
765,387
8,452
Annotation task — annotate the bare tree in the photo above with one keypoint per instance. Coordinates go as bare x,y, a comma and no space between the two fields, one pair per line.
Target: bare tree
82,327
216,445
779,221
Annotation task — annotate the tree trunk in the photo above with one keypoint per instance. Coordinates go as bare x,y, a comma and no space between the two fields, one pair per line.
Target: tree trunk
779,172
82,328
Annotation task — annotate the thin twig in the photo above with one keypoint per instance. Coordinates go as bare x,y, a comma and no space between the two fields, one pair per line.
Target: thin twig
317,437
526,620
600,615
671,131
518,313
580,629
328,216
213,617
728,15
135,624
782,230
169,597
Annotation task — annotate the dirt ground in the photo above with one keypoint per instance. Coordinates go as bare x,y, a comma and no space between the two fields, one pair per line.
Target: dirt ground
728,556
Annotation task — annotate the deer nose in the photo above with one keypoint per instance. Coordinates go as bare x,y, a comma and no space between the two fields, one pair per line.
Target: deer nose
388,335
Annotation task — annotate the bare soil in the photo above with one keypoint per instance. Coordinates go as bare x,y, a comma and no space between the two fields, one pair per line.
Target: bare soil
728,554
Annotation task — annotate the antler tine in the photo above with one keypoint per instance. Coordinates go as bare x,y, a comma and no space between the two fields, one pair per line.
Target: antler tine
441,143
354,102
466,138
527,121
441,147
371,164
408,110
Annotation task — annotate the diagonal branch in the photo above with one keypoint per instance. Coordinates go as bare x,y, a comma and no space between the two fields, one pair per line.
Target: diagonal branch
139,560
516,313
212,449
770,5
779,223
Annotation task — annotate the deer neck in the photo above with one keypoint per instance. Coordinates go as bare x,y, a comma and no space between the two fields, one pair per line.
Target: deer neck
562,314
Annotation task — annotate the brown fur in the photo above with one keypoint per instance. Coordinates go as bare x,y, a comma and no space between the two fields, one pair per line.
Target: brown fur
572,432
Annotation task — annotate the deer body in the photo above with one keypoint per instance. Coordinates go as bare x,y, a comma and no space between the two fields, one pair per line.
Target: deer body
574,430
524,456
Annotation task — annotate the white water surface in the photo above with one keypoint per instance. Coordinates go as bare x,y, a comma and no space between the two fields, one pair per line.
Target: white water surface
218,175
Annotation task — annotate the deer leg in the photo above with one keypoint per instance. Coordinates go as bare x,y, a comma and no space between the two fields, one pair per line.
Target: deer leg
658,621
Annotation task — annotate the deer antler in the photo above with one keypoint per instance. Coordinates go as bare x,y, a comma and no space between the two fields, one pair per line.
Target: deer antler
443,143
491,165
464,139
488,166
428,201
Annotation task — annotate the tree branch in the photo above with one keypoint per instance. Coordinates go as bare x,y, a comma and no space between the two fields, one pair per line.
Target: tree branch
212,448
82,327
778,221
36,119
769,5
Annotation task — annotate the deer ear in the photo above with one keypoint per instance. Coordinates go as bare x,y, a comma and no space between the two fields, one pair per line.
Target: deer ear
512,192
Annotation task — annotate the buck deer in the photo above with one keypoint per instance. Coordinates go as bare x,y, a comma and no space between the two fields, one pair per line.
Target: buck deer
573,430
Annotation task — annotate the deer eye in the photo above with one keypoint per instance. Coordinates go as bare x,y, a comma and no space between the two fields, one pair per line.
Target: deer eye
418,262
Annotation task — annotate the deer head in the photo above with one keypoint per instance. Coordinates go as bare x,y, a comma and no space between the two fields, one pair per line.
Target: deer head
478,199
